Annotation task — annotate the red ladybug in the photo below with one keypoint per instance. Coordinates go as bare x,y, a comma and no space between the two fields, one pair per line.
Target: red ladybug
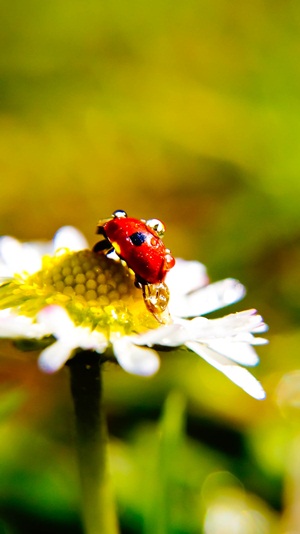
138,243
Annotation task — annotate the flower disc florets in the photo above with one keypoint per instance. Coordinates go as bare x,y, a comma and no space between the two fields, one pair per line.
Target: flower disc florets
97,292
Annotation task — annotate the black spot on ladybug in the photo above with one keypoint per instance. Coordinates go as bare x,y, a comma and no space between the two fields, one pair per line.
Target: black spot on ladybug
138,238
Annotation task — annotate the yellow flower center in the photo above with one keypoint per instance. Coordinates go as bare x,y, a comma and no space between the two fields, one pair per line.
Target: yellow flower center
97,292
86,277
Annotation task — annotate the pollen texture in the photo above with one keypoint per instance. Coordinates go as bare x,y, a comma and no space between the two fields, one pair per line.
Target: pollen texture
95,289
88,278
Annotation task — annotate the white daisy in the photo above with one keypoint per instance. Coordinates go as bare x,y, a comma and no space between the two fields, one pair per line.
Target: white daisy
86,301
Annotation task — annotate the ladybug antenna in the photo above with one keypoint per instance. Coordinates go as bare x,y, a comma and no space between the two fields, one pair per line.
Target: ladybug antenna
119,214
157,226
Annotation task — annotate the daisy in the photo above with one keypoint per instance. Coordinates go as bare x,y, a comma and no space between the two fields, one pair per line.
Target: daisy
74,298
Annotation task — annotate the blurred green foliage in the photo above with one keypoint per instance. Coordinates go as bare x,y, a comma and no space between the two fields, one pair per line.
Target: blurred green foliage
185,111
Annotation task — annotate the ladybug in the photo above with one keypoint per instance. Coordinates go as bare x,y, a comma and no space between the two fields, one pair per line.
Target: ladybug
138,242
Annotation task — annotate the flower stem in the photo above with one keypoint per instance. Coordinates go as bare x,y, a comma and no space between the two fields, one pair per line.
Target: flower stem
86,386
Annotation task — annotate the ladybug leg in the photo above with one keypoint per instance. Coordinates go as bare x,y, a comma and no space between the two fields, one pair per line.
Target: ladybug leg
100,229
138,282
102,246
156,297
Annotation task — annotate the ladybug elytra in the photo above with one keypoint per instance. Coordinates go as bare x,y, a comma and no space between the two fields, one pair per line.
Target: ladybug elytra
138,242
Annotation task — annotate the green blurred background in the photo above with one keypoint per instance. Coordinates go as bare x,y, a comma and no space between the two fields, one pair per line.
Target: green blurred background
188,112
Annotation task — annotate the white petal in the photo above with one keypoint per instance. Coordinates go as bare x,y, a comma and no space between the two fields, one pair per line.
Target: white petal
19,326
229,335
135,360
259,341
241,377
234,324
247,337
31,259
10,251
6,273
57,321
208,298
186,276
88,339
41,247
260,329
69,237
171,335
241,353
54,357
18,257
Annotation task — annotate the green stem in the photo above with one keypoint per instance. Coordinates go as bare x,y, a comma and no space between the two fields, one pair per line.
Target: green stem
86,386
